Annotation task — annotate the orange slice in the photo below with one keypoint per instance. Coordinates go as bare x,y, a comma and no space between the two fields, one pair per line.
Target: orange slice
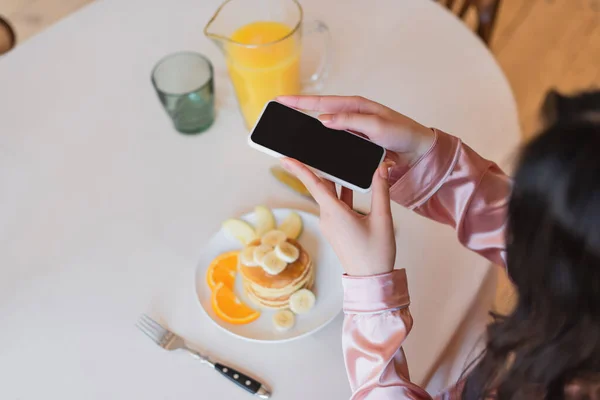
229,308
222,270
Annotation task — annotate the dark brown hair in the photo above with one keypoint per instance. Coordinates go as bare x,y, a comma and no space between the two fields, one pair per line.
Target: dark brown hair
552,338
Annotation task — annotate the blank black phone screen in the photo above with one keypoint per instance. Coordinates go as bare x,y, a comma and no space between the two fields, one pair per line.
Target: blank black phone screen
337,153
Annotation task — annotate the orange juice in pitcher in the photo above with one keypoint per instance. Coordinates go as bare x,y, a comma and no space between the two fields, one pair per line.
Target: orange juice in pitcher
259,74
261,40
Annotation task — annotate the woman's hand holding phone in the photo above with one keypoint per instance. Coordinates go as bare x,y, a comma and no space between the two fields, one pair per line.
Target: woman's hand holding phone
365,245
404,139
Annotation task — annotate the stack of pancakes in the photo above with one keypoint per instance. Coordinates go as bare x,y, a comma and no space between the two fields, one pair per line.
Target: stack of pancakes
274,291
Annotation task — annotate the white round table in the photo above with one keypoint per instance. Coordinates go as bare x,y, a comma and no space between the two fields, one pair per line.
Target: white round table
104,208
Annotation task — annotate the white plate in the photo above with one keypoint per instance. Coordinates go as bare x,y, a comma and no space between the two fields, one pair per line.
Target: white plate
327,288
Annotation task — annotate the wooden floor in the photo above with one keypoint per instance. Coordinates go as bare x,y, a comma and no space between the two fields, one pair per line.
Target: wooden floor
543,44
540,44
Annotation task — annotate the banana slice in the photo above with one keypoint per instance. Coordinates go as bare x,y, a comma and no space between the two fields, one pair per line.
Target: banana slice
287,252
247,256
292,226
284,320
272,264
302,301
265,221
273,238
240,230
260,252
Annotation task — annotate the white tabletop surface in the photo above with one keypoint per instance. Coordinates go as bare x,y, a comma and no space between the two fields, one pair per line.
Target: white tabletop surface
104,208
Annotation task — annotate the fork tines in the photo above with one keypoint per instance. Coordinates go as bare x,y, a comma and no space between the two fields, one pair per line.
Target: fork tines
152,329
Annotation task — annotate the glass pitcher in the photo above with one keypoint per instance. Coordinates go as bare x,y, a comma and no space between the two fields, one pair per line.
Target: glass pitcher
262,44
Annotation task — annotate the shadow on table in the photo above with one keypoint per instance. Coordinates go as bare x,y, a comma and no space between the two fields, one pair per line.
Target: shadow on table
468,341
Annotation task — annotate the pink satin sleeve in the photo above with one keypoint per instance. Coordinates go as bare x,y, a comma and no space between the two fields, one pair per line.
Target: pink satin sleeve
450,184
454,185
377,321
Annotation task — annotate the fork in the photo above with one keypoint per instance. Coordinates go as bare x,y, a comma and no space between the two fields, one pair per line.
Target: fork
170,341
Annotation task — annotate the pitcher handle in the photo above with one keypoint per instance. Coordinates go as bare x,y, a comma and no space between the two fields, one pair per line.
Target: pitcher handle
316,80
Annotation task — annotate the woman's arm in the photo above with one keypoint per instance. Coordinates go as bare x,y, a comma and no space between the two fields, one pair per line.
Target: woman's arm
377,320
454,185
450,184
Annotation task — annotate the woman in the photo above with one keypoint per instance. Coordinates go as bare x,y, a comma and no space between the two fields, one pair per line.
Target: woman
546,232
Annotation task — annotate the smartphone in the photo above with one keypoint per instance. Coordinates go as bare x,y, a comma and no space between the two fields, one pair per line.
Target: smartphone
340,156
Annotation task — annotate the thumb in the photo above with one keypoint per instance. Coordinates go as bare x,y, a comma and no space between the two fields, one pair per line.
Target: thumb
381,210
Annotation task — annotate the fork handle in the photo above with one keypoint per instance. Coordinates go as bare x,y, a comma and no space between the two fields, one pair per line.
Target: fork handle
244,381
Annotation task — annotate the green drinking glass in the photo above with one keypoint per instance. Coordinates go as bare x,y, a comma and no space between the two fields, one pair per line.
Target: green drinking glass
184,84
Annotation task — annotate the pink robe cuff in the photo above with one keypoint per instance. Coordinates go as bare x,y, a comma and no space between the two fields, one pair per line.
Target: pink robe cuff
413,187
377,293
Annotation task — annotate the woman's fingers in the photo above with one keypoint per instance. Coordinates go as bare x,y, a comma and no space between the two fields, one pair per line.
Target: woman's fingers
332,104
347,197
373,126
322,192
392,158
380,201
